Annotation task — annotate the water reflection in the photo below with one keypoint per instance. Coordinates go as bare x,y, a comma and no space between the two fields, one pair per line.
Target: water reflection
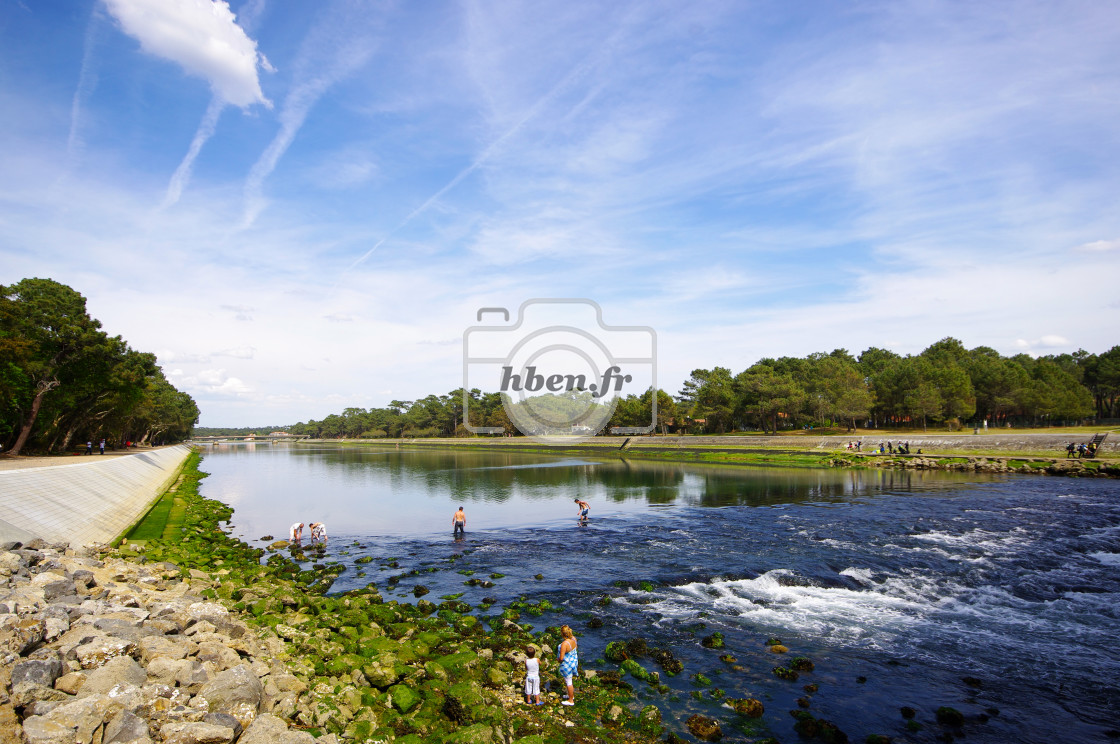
364,490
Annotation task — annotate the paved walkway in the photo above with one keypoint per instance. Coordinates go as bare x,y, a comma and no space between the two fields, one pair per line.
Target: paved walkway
19,462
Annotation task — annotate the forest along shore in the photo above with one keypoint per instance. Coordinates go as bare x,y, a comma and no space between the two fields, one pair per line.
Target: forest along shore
189,637
991,453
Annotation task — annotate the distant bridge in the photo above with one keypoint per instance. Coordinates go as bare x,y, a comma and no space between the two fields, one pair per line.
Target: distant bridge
249,439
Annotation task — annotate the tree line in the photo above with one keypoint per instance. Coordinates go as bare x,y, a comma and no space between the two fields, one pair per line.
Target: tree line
946,384
64,380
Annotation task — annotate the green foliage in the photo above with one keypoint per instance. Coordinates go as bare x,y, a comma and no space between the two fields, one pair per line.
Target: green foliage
64,380
946,384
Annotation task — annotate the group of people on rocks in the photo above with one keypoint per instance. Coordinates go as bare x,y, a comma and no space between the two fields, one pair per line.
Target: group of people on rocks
318,532
900,448
1081,450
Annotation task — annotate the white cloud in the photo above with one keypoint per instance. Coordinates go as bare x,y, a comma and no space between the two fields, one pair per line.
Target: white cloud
202,37
168,356
216,382
240,312
240,352
1099,246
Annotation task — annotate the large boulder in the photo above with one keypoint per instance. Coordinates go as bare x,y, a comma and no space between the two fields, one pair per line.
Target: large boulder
39,671
237,692
71,722
125,726
155,646
268,729
115,672
99,650
197,733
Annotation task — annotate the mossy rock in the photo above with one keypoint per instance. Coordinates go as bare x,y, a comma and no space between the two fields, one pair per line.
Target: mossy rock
785,673
458,662
468,693
701,680
404,697
748,707
704,728
344,664
801,664
949,716
669,663
778,648
637,671
616,652
383,670
715,640
649,721
496,678
478,733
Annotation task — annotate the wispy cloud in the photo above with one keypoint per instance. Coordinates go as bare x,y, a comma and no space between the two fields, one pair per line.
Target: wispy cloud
339,45
182,174
1099,246
87,82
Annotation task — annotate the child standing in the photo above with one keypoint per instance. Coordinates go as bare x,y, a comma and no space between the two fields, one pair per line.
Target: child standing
532,677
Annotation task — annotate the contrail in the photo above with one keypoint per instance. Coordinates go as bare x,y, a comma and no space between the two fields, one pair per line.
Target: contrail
205,131
480,160
87,81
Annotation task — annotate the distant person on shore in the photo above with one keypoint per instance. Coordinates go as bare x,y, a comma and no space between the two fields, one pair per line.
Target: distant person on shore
569,662
89,447
459,523
532,677
318,531
1070,448
101,447
295,533
583,508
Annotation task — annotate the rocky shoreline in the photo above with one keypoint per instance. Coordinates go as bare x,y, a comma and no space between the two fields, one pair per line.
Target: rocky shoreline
194,640
110,651
1070,468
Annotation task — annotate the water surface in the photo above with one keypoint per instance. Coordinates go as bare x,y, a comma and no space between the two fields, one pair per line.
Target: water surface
996,596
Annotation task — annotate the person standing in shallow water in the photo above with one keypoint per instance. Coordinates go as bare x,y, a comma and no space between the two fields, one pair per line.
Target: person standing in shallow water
569,662
583,508
459,522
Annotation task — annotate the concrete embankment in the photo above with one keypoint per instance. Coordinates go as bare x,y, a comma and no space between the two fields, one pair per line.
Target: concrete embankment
92,501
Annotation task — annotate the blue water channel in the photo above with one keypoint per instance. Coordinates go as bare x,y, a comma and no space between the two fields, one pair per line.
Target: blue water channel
996,596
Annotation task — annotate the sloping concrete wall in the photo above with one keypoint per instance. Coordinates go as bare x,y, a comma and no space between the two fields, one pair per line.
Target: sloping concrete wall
88,502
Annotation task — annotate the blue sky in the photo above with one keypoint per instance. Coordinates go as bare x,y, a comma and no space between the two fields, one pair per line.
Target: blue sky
300,206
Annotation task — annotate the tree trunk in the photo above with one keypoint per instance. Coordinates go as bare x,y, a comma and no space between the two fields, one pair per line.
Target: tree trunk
44,387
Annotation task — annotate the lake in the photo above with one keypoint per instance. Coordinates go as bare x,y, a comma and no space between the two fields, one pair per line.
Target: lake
996,596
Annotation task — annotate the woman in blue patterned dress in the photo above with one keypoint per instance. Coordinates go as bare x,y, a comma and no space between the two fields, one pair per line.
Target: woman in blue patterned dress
569,662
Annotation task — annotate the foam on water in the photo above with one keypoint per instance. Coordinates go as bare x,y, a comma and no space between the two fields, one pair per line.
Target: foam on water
1108,559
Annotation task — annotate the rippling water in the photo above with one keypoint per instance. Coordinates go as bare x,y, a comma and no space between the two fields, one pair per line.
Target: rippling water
898,586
